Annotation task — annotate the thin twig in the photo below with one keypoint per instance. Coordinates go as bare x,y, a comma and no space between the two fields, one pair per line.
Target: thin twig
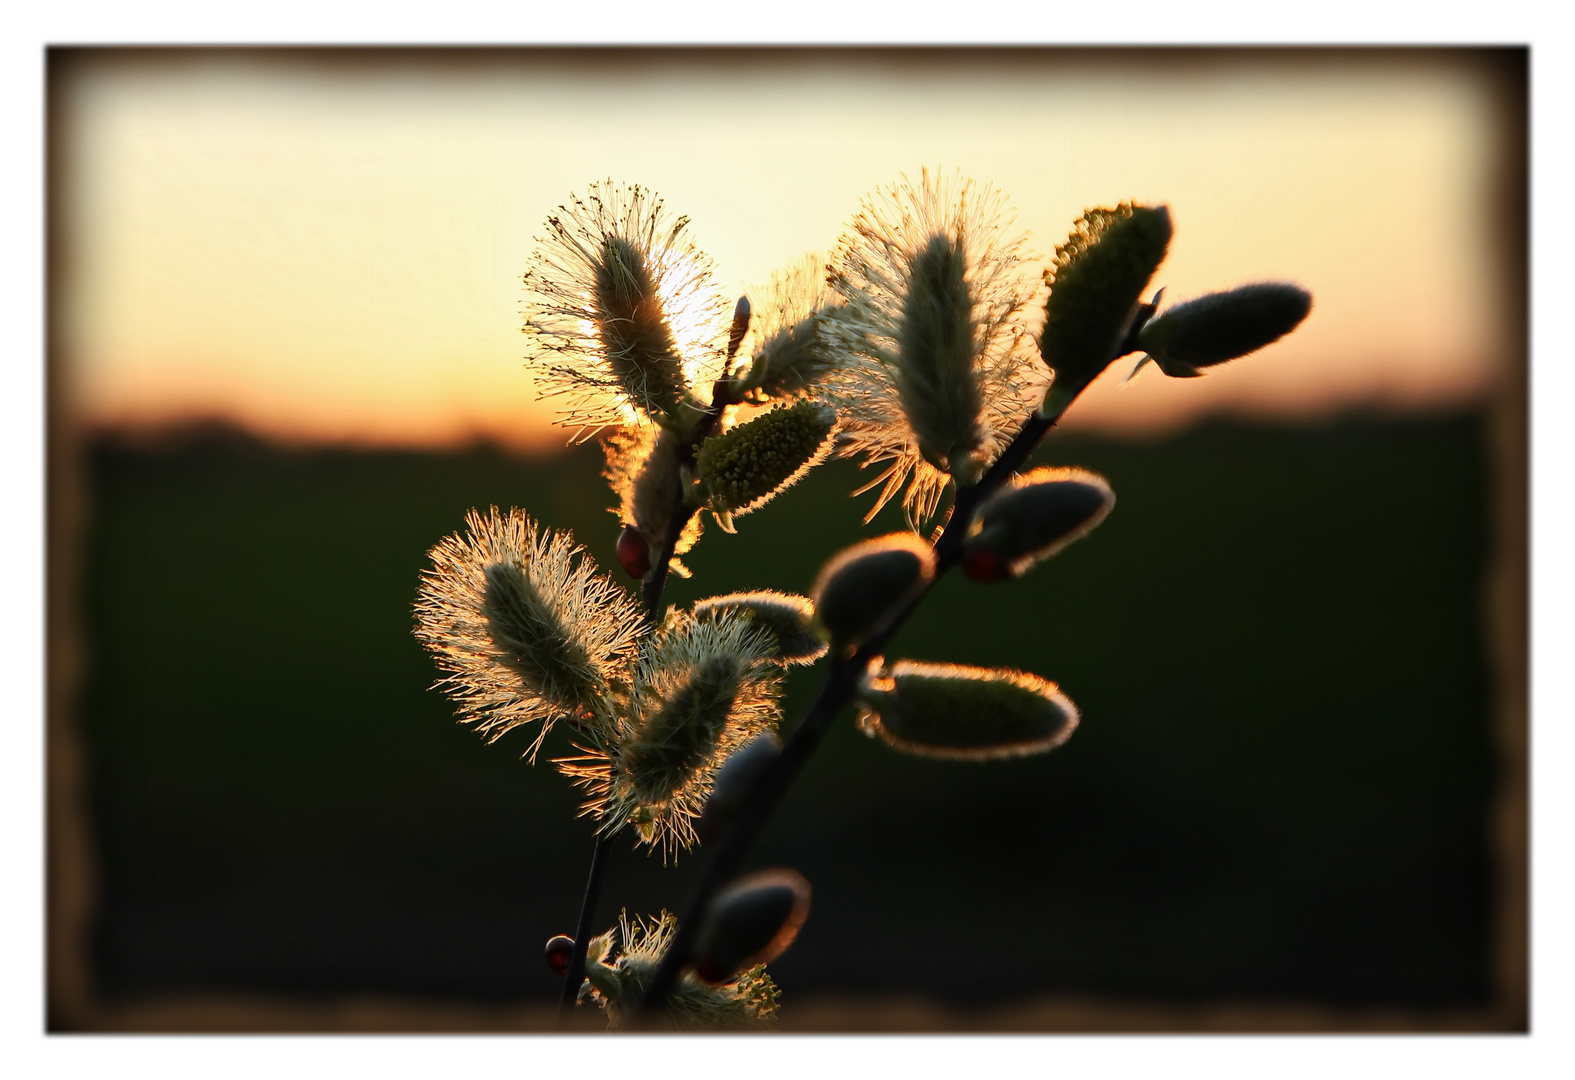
651,597
836,690
582,932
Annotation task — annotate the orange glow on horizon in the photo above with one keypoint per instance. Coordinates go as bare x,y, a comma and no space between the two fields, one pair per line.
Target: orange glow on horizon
331,249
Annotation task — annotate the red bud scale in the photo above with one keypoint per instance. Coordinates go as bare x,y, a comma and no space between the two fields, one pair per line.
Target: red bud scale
634,553
983,565
559,949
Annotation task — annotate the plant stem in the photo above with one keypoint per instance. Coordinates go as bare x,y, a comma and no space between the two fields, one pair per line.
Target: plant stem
836,690
582,931
651,597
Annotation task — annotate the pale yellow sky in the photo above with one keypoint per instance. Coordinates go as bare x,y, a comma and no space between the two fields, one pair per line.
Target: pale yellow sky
329,246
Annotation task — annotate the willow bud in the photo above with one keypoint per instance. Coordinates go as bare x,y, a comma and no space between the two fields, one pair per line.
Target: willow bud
745,467
740,327
785,619
752,921
733,782
967,713
1095,285
1222,326
862,588
1032,518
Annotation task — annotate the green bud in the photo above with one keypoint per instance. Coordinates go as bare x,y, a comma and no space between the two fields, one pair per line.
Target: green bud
682,734
634,331
964,713
786,619
862,588
1035,516
745,467
751,921
733,782
1095,285
934,374
1222,326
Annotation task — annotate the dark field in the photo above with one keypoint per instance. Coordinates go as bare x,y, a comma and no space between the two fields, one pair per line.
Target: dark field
1280,790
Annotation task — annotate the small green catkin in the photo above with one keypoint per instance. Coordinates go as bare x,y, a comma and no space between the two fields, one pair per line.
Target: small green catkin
751,921
745,467
1040,512
936,343
1222,326
787,619
860,589
1097,280
634,331
534,642
964,713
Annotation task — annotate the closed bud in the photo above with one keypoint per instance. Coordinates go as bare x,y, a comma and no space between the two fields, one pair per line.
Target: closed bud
1098,277
750,922
786,620
1222,326
860,590
965,713
745,467
559,950
1033,517
740,327
734,780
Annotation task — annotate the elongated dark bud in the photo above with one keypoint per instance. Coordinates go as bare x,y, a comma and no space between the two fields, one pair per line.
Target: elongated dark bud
785,619
861,589
735,336
951,711
734,780
1033,518
750,922
1222,326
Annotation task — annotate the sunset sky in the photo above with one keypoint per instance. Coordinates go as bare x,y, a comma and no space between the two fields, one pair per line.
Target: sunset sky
329,246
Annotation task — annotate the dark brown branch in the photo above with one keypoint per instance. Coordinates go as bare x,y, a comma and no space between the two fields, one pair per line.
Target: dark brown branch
582,932
651,597
835,692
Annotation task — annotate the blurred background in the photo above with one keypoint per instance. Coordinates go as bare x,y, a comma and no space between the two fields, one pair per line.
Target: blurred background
284,307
